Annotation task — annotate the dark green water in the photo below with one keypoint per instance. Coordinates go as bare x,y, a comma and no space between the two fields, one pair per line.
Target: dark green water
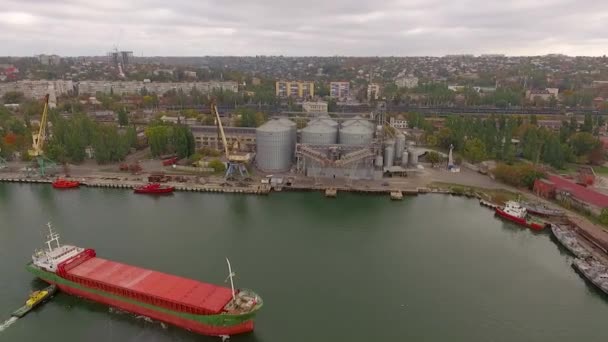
358,268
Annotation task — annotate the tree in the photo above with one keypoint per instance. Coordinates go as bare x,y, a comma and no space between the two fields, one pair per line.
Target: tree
12,97
597,155
123,118
604,216
533,120
582,143
474,150
587,124
553,154
433,158
217,166
431,140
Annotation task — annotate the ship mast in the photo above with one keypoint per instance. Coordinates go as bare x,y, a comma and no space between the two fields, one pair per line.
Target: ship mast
53,236
230,275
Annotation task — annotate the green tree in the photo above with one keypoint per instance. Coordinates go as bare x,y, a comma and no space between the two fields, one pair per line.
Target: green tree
123,117
582,143
474,150
587,124
533,120
12,97
433,158
217,166
552,153
604,217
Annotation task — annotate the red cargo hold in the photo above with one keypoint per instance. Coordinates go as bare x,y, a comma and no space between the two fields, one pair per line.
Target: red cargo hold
157,288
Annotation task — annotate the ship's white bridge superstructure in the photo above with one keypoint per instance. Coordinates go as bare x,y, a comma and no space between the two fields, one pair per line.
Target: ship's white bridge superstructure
55,253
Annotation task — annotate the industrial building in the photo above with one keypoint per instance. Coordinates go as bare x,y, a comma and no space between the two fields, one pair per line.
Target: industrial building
207,136
314,107
356,148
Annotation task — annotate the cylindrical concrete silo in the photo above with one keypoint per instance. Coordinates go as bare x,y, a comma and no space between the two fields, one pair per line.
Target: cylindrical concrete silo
356,134
274,146
389,155
319,133
404,159
399,146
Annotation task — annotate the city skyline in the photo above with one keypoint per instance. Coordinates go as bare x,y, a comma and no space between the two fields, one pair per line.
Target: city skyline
314,28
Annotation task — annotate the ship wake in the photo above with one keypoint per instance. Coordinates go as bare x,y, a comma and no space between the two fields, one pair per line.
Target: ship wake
8,323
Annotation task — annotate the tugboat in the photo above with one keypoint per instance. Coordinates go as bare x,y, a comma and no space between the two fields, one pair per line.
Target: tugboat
36,298
514,212
61,183
567,238
594,271
153,188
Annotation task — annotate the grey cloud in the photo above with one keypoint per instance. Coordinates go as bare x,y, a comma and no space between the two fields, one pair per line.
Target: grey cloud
316,27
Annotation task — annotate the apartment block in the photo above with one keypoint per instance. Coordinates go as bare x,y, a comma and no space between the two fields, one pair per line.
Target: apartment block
339,90
296,89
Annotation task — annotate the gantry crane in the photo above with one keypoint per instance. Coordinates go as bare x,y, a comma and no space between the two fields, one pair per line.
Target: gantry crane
236,163
38,141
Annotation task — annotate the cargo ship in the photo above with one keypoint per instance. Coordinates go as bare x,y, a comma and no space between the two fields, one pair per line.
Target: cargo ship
190,304
514,212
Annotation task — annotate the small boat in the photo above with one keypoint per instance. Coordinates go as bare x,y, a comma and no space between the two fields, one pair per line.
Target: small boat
153,188
36,298
61,183
541,209
567,238
514,212
594,271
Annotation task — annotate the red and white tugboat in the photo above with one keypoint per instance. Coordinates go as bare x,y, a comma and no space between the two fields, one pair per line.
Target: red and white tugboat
514,212
154,189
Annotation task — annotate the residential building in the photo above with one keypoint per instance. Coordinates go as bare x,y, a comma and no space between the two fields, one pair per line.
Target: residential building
339,90
190,74
373,91
296,89
49,59
406,81
314,107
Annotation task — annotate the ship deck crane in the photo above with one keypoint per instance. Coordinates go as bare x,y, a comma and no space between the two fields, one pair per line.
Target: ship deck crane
236,163
38,141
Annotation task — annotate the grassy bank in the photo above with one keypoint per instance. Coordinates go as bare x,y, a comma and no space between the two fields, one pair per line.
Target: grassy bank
498,196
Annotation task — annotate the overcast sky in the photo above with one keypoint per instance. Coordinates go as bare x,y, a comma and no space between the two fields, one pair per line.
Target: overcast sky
304,28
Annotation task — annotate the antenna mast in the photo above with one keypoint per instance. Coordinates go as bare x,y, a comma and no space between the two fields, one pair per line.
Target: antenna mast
53,236
230,275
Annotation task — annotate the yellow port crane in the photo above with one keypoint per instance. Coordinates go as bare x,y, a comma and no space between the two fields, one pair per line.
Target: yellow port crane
38,140
236,162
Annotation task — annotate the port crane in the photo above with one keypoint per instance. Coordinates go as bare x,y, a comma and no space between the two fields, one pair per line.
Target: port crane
236,163
38,141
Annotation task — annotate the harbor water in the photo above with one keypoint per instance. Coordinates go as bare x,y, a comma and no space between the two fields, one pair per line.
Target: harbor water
355,268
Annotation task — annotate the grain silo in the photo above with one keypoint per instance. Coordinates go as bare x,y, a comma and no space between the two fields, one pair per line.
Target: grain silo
320,132
399,146
389,154
292,126
275,144
404,159
356,133
413,154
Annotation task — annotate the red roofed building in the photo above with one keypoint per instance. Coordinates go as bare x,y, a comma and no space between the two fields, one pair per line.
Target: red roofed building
578,195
